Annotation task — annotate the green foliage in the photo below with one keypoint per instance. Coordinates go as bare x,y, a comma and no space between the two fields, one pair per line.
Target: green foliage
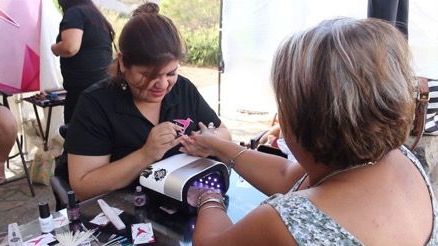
192,14
202,47
198,22
117,22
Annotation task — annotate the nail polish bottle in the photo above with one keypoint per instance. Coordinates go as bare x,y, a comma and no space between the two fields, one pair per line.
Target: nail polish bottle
73,212
139,197
45,219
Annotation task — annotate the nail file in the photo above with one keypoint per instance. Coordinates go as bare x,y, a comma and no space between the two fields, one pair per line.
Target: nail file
14,235
111,215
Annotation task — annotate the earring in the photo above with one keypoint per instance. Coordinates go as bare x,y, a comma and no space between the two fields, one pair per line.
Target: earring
124,85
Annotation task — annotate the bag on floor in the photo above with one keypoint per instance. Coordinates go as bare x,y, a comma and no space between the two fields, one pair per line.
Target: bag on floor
42,167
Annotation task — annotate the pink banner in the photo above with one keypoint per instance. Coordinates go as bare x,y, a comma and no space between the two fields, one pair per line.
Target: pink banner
20,28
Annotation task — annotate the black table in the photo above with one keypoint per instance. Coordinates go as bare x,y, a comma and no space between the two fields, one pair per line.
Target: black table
175,229
169,229
45,102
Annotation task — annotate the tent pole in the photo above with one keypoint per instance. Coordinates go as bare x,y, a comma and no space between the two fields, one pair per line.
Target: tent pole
220,61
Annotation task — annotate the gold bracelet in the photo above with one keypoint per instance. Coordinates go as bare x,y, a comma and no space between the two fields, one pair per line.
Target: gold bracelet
209,192
232,161
211,206
211,199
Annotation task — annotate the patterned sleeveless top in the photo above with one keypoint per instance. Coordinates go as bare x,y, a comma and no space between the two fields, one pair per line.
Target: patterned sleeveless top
310,226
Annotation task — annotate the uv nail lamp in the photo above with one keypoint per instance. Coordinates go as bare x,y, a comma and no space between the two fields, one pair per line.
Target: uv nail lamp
168,180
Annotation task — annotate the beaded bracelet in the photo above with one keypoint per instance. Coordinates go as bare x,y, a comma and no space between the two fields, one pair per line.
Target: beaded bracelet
232,161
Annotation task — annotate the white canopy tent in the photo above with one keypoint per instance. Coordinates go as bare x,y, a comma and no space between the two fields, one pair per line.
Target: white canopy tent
253,29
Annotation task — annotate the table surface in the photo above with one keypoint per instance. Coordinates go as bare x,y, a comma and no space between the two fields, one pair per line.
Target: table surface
44,101
169,229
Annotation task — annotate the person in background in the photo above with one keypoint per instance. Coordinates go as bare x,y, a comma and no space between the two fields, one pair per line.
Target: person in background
8,133
394,11
150,6
271,136
126,123
345,104
84,44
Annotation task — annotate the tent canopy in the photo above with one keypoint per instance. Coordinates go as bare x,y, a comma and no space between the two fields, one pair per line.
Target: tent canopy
253,29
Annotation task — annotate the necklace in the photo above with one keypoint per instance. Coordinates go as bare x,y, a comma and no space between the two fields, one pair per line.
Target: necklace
323,179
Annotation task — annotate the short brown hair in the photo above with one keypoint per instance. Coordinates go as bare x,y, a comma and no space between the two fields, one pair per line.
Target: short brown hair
344,90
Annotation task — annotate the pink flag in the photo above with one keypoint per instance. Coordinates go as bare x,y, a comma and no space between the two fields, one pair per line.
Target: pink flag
20,27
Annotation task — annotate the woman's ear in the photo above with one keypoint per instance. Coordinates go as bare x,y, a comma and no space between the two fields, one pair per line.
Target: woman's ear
120,61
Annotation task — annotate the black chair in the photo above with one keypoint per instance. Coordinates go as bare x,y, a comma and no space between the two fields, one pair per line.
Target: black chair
60,188
254,143
59,182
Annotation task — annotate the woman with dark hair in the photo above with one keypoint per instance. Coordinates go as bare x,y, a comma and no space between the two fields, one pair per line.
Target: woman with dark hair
124,124
345,106
84,44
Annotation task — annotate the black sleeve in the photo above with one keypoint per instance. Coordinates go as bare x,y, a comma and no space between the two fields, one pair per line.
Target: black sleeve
88,132
73,18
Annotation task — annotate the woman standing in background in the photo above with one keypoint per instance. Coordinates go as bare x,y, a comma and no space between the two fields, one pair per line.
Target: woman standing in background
84,45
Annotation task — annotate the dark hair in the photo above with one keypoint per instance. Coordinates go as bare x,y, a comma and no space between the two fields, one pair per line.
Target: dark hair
148,40
147,8
344,90
66,4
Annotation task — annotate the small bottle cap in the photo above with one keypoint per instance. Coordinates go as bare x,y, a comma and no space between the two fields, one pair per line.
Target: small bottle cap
138,188
44,210
71,198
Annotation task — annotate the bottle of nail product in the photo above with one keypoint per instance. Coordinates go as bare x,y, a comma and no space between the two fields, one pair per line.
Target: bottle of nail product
75,226
45,219
73,212
139,197
140,215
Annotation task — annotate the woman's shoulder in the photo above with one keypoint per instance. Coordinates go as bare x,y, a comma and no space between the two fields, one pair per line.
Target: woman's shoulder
307,223
103,92
83,11
184,82
77,9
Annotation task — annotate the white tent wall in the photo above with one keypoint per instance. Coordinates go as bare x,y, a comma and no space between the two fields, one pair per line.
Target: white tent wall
253,29
423,36
50,72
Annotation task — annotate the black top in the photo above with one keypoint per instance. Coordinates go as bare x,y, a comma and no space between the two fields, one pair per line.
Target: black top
107,122
89,65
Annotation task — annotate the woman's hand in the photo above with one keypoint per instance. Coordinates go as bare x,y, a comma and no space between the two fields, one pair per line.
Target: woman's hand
194,193
199,143
161,138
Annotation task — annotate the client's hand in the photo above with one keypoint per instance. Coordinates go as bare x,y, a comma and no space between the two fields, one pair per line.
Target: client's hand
161,138
197,144
194,192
